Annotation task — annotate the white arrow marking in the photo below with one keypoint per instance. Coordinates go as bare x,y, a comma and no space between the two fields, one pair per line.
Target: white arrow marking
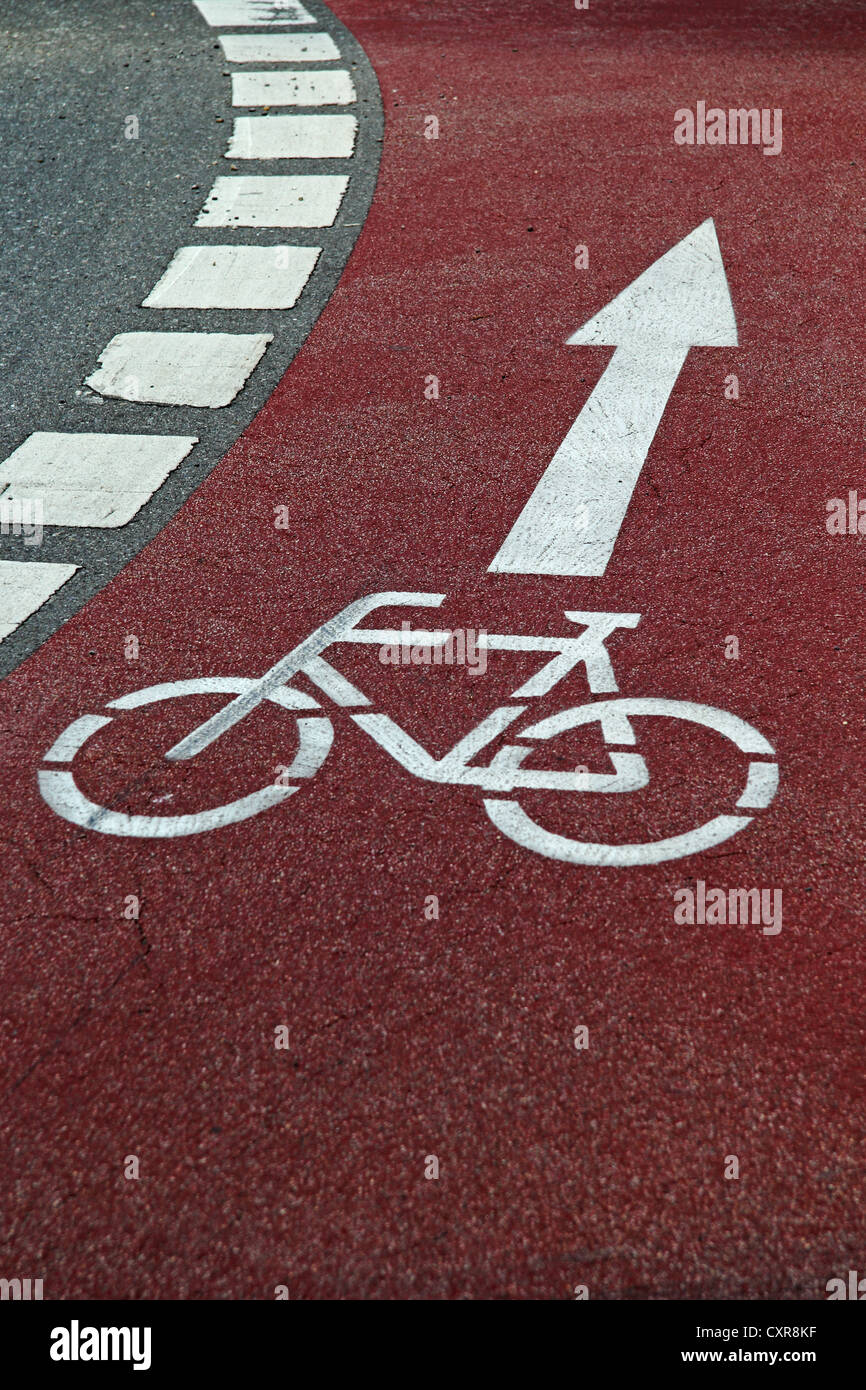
571,521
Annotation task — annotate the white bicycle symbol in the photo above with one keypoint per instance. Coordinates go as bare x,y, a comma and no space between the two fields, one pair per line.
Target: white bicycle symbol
505,774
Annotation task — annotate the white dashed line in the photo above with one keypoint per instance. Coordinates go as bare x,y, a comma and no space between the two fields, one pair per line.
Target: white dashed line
235,277
334,88
103,480
279,48
24,587
259,12
206,369
293,137
91,479
275,200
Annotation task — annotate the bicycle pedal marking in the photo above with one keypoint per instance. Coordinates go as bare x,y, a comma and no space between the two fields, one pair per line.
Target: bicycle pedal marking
505,773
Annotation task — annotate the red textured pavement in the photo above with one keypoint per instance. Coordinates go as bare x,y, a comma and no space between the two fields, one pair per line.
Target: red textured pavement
455,1037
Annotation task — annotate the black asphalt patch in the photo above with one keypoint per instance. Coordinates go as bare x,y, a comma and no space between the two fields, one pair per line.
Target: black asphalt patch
91,219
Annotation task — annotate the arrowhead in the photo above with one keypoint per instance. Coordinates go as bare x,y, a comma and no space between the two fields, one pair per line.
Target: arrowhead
682,300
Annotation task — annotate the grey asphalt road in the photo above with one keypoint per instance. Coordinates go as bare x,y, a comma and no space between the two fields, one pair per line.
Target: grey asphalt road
90,220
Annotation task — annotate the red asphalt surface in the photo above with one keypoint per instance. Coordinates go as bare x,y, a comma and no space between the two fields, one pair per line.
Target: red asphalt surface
408,1037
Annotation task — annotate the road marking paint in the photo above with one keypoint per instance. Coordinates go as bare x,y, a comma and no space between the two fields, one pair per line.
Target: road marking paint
275,200
62,795
315,736
284,696
505,773
234,277
571,521
263,689
293,88
64,748
217,13
615,715
91,479
293,137
512,820
279,48
206,369
761,787
24,587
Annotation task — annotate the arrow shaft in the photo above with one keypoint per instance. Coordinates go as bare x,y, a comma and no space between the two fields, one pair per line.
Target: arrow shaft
571,521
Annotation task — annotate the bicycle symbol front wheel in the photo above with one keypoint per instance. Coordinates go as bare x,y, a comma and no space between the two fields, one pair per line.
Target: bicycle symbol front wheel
614,716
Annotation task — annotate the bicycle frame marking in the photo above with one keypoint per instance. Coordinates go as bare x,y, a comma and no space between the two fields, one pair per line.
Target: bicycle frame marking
307,657
504,773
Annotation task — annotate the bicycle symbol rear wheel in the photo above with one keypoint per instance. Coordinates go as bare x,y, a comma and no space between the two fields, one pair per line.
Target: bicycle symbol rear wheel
60,790
614,716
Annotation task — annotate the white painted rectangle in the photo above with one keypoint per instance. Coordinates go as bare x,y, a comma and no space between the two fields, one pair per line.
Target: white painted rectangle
206,369
333,88
24,587
234,277
274,200
293,137
91,479
279,48
218,13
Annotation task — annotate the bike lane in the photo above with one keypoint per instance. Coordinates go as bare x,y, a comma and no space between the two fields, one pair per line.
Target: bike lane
597,1161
